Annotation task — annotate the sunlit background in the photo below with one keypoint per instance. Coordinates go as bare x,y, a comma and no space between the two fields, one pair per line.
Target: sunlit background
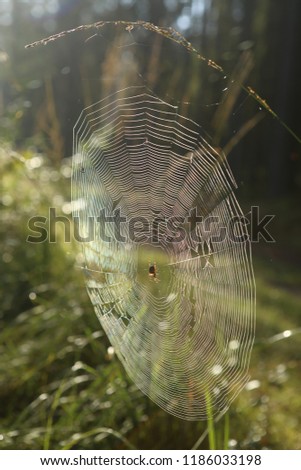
61,385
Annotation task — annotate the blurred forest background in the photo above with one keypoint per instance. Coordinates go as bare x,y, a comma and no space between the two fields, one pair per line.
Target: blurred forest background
60,383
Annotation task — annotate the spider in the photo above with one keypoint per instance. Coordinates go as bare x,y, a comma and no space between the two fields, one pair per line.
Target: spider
152,270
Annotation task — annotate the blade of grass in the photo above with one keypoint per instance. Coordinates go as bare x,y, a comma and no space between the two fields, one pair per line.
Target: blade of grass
173,35
49,424
206,432
106,431
226,431
210,422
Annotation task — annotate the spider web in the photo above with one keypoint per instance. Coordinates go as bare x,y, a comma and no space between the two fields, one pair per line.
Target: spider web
185,336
